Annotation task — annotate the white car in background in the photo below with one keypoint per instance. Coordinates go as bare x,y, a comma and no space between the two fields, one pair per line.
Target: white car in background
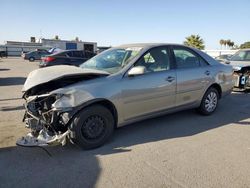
241,66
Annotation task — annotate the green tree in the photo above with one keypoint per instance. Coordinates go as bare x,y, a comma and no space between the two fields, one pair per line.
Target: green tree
56,37
228,43
194,41
232,44
222,42
245,45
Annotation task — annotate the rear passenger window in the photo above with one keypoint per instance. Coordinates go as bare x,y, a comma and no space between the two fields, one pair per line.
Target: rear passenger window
77,54
69,54
186,59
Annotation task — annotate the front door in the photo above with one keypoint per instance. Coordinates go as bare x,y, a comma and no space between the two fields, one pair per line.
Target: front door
153,91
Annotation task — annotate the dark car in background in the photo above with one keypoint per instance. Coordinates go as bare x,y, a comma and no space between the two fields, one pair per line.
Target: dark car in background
35,55
67,57
3,54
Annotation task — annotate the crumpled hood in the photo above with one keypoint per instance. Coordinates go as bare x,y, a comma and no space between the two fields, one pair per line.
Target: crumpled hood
240,63
44,75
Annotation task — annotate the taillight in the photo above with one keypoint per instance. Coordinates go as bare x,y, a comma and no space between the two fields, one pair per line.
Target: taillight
48,59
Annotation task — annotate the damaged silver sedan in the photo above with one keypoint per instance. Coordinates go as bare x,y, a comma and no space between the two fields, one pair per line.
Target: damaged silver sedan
241,66
122,85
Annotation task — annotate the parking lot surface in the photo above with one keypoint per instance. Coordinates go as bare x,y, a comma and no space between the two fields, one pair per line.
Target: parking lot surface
177,150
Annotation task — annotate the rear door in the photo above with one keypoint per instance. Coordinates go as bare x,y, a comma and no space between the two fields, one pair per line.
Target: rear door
61,58
193,74
77,58
153,91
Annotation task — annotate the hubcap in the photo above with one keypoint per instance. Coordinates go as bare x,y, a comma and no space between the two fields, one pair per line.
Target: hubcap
93,127
211,102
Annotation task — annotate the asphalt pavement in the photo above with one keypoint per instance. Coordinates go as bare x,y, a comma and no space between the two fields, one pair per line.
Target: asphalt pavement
183,149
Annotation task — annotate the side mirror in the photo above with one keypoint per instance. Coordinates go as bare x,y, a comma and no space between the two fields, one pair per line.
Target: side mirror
138,70
227,62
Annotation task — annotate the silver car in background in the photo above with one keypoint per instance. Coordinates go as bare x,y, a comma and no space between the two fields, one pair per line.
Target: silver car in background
35,55
122,85
240,62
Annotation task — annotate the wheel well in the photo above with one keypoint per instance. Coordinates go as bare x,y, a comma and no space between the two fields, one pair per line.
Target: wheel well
109,105
218,88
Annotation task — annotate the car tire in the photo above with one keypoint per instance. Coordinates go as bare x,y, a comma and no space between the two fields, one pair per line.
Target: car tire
92,127
209,102
31,59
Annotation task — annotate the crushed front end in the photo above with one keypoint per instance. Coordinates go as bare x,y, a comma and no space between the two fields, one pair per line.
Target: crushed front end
241,77
49,126
51,101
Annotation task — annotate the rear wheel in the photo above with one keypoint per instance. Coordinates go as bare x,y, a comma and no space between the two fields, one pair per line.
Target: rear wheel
31,59
209,102
92,127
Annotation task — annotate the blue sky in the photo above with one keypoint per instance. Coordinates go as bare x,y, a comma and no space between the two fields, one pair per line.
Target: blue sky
114,22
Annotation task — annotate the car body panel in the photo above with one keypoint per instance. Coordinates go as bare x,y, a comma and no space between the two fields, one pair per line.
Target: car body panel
37,55
191,84
147,93
52,73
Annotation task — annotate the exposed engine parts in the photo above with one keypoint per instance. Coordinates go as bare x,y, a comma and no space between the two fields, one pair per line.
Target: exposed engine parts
45,124
241,78
49,124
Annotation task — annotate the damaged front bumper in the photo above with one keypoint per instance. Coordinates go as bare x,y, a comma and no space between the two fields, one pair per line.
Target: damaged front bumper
49,126
241,81
43,139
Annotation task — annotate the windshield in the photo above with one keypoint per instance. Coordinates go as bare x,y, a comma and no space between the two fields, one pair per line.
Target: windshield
112,60
241,56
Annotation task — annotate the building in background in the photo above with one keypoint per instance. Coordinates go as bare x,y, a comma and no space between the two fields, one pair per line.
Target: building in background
70,45
15,48
216,53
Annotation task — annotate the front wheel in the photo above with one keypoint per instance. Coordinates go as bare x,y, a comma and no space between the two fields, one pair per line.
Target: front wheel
92,127
209,102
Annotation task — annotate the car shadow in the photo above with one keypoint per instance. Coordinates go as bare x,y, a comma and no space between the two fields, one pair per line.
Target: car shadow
12,81
11,108
71,166
11,99
32,167
4,69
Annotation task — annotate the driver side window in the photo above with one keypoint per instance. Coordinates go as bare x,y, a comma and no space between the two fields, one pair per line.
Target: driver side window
155,60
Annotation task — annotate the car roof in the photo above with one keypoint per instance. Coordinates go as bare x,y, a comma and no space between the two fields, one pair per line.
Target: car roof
71,50
147,45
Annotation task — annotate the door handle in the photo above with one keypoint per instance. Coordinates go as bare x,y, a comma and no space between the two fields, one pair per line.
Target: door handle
207,73
170,78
